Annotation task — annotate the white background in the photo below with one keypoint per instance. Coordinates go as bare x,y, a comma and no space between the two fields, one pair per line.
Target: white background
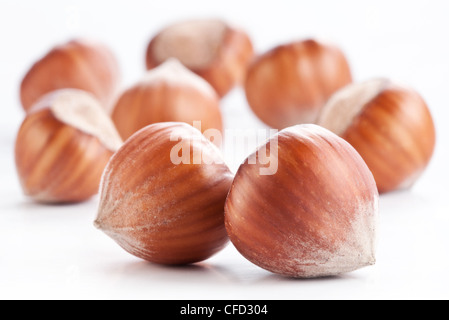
54,252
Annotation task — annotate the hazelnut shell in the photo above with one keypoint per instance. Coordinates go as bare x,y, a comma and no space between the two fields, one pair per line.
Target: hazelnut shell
290,84
168,93
79,64
389,124
62,147
316,216
158,210
214,50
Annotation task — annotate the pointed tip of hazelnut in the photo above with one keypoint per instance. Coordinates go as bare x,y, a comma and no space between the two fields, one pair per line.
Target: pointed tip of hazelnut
98,225
174,73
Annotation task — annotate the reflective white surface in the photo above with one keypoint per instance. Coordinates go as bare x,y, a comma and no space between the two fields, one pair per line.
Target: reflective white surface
55,252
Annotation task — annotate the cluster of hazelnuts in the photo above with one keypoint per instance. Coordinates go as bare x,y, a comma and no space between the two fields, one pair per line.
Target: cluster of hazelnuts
340,144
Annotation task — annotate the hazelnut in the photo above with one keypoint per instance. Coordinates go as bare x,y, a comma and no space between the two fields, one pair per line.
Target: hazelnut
213,49
79,64
62,147
163,193
168,93
389,124
291,83
316,216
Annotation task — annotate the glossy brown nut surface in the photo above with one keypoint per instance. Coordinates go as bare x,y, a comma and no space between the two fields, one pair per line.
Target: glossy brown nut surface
168,93
212,49
62,147
389,124
79,64
291,83
316,216
163,208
